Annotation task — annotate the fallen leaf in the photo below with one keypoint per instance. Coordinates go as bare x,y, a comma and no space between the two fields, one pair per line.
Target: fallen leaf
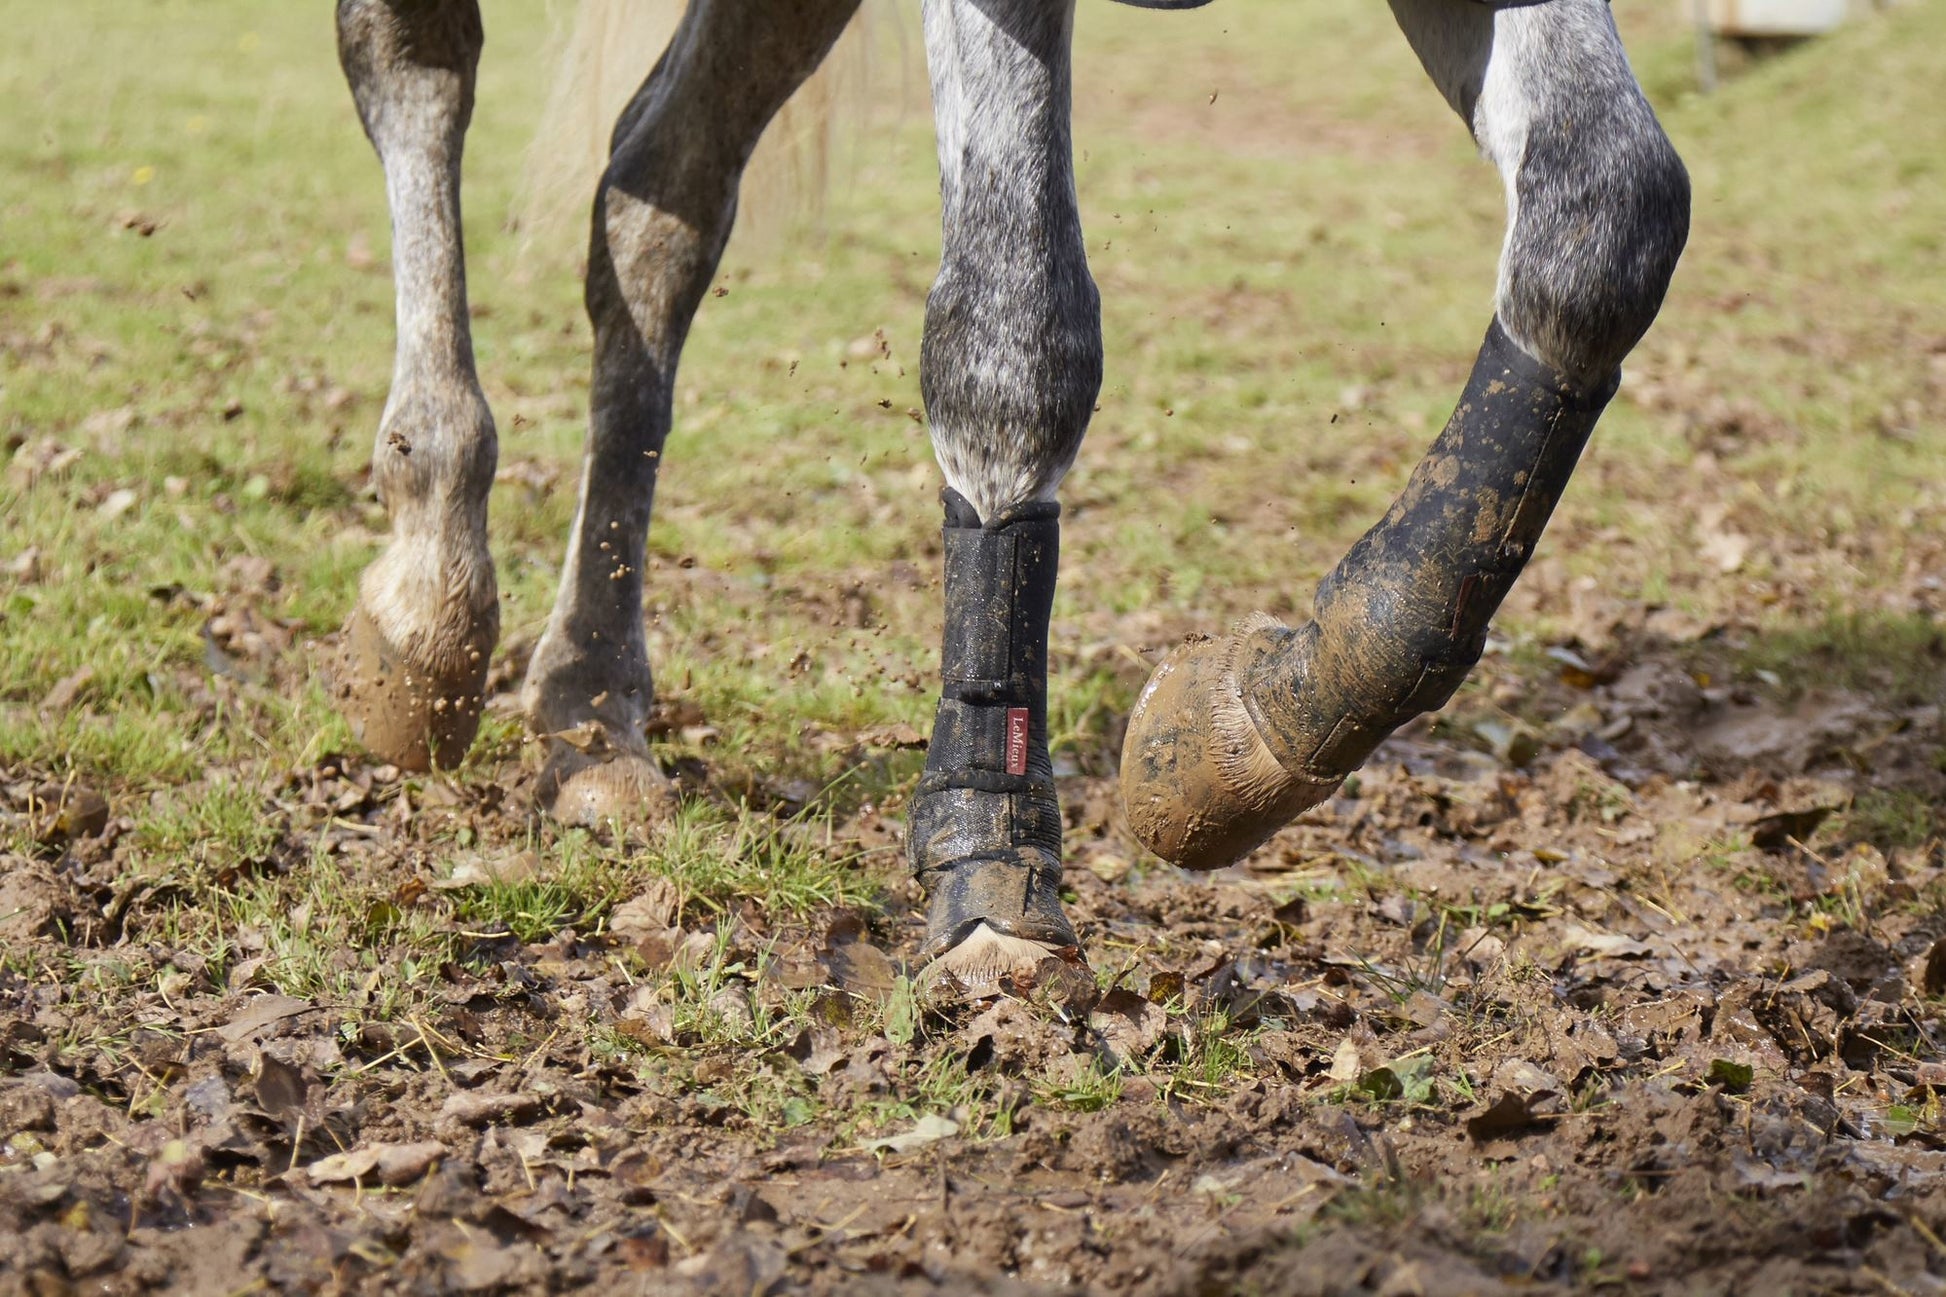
929,1129
64,812
25,567
1130,1024
281,1089
654,910
474,1108
67,691
358,1164
1504,1116
1775,832
1934,978
862,968
1603,945
1523,1094
259,1012
894,737
485,871
118,503
1346,1062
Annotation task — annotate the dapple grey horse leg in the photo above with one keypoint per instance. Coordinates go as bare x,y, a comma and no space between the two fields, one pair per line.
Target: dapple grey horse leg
414,652
1235,736
1010,367
661,218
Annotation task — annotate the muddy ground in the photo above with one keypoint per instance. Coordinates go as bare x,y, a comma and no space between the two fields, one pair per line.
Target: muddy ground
1633,1001
1625,974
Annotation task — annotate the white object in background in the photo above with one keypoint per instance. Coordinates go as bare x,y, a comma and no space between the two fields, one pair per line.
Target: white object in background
1776,17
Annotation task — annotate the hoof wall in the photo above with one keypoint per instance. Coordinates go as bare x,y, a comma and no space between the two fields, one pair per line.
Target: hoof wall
414,717
590,792
1200,787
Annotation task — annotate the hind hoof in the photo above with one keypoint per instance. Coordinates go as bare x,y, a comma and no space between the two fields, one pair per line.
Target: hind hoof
590,791
1200,787
413,716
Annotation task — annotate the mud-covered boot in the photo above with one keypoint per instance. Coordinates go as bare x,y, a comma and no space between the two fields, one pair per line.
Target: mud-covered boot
983,831
1234,737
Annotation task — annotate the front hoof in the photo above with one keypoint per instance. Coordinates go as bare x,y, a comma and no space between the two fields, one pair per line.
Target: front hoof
987,963
589,790
411,715
1200,787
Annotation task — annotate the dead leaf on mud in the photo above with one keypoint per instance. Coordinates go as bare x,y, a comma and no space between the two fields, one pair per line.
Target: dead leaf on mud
1013,1036
474,1263
24,567
1357,1053
1934,977
1603,945
174,1172
387,1164
281,1088
1755,1175
67,692
1523,1096
473,1108
1776,831
64,812
1130,1025
739,1264
893,738
485,871
259,1013
647,1018
862,968
656,909
817,1050
929,1129
29,900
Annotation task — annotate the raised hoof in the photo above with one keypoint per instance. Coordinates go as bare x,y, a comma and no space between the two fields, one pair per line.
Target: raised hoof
987,962
1200,787
597,789
413,716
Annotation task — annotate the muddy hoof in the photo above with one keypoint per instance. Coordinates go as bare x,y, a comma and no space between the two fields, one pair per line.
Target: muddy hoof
594,789
988,962
1199,786
412,716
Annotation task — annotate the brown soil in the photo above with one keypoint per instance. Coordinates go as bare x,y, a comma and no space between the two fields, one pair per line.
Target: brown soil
1622,1016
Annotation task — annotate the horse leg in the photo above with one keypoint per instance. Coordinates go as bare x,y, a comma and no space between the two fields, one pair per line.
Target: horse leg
662,215
1010,367
1235,736
414,652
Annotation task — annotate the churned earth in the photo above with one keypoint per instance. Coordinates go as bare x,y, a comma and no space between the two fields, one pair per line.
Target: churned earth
1626,973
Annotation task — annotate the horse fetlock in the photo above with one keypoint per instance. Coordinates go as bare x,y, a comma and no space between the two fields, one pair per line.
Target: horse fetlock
1232,738
983,830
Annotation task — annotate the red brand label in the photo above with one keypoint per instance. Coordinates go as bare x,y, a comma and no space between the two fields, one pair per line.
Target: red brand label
1017,726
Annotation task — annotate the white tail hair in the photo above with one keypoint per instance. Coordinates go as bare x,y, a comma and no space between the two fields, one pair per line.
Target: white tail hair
601,56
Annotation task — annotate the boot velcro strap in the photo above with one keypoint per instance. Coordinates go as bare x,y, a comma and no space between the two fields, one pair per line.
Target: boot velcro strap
993,744
999,581
984,781
1017,892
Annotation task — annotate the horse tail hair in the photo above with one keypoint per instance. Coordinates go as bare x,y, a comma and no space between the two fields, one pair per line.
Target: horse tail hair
600,56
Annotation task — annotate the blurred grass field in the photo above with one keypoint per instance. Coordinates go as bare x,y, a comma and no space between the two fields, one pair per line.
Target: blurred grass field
1295,246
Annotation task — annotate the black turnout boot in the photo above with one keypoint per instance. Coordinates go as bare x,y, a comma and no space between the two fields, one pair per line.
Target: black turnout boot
983,831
